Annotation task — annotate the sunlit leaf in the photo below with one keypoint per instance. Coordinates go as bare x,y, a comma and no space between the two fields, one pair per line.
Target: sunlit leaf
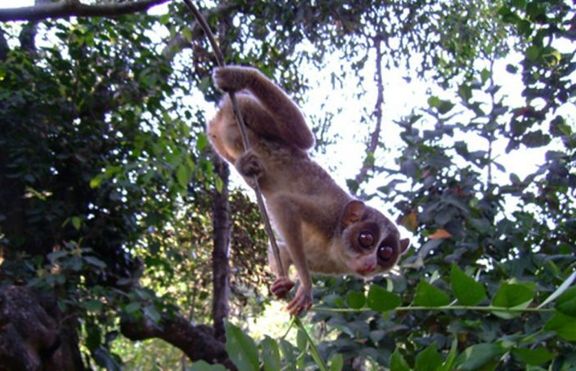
241,348
430,296
465,288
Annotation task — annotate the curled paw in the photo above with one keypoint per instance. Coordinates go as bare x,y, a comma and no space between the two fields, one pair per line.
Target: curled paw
281,287
232,78
301,302
249,165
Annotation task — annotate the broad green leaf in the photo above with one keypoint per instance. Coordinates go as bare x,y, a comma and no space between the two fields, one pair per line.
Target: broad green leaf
465,288
512,295
566,303
355,299
336,362
534,357
430,296
204,366
270,354
429,359
398,363
479,355
241,348
290,356
563,325
381,300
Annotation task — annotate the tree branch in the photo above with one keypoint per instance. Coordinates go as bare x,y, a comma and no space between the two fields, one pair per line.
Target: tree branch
372,145
74,8
197,342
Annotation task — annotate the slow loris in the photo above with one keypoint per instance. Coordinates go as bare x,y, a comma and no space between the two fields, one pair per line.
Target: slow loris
321,227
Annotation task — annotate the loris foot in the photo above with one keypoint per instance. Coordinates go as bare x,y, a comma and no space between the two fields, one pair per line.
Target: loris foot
281,287
249,165
302,301
233,78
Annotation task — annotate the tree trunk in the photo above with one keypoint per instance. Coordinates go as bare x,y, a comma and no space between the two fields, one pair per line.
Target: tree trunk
34,333
222,226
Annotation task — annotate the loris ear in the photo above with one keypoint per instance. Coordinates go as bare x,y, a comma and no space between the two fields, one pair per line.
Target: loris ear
404,244
353,212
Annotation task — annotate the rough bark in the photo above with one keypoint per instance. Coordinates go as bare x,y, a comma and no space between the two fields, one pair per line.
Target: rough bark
34,334
222,226
197,342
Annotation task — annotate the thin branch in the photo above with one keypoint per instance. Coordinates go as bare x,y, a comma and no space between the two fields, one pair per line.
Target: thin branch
74,8
242,126
372,145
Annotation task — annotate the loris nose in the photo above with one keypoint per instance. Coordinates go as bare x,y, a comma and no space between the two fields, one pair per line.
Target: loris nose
367,268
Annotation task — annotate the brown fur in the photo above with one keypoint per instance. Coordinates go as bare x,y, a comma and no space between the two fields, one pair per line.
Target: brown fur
318,222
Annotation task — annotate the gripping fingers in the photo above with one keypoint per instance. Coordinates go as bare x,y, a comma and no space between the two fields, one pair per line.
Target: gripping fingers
231,78
281,287
302,301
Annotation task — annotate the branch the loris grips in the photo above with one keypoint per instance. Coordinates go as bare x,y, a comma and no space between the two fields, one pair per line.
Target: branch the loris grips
245,140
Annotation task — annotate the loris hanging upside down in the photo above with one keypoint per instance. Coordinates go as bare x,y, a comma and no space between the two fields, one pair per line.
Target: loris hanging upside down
321,227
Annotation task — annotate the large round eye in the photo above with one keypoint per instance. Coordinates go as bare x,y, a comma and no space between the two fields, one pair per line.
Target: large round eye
385,253
366,239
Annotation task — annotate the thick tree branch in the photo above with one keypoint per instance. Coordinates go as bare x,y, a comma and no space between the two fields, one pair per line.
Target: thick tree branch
198,342
74,8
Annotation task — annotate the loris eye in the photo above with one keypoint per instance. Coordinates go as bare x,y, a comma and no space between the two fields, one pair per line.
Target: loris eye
385,253
366,239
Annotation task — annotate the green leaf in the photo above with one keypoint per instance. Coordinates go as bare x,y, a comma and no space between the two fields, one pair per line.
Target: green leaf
513,295
241,348
94,261
92,305
381,300
270,354
563,325
465,288
76,222
398,363
430,296
448,364
566,303
533,357
182,175
201,142
204,366
429,359
479,355
132,307
336,362
355,299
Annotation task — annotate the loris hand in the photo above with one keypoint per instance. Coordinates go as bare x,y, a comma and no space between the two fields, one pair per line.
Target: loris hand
301,302
233,78
281,287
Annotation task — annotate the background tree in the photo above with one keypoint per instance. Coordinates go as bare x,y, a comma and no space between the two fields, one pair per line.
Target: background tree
109,200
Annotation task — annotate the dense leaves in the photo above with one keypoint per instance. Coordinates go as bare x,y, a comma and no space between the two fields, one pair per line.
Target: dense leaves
106,188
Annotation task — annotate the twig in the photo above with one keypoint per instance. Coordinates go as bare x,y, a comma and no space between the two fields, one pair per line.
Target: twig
245,139
74,8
